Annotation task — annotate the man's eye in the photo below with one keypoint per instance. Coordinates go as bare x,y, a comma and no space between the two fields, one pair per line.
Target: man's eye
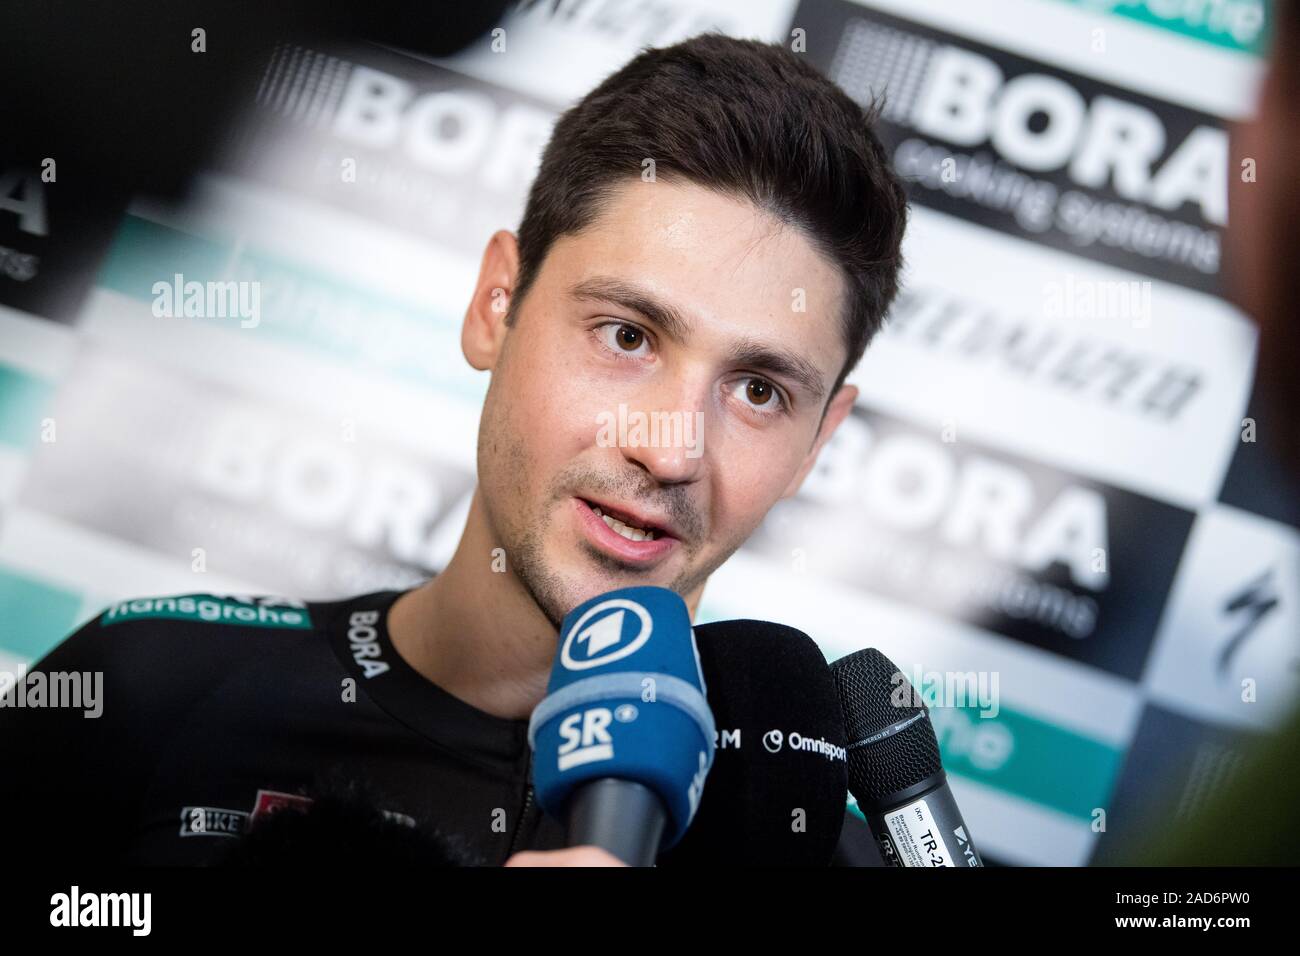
622,339
760,395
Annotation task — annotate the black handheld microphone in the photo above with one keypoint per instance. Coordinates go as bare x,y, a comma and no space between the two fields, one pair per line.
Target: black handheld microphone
894,767
778,790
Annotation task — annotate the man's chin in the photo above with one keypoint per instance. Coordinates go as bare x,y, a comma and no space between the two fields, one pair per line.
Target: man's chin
596,574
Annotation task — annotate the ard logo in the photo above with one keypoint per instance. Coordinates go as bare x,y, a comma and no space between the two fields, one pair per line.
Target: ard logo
609,631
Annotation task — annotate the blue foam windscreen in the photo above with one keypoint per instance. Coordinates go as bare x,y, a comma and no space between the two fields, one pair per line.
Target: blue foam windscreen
626,700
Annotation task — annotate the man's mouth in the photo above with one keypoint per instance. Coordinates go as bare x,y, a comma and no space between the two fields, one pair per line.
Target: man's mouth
618,530
627,527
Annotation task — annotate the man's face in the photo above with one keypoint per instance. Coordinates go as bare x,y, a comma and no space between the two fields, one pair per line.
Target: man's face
739,380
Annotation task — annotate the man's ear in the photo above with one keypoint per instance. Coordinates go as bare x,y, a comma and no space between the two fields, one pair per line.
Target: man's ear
840,406
485,329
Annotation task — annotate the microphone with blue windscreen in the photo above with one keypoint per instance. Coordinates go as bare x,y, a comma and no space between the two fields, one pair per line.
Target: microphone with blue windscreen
624,739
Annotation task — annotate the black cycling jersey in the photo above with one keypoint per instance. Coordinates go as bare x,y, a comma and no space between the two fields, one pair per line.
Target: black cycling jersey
215,710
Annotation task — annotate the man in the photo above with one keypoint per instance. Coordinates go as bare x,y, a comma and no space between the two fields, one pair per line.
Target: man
713,235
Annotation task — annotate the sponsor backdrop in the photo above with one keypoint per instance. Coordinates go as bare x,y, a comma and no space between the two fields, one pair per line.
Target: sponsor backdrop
1049,492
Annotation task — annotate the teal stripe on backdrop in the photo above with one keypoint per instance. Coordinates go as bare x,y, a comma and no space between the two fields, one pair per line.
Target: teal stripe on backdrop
34,615
1242,25
1031,758
300,305
24,401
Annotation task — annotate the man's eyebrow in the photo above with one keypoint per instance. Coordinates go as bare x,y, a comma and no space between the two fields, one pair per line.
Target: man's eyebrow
630,296
779,362
747,352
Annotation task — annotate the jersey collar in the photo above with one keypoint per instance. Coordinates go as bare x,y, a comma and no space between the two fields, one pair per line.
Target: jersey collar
358,631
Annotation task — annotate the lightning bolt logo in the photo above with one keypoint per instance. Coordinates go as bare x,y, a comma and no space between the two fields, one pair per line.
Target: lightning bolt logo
1251,604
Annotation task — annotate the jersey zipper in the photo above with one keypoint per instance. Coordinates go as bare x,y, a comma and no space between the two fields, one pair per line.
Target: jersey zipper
528,805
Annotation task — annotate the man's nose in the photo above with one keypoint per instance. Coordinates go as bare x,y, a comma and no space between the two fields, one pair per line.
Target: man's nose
669,443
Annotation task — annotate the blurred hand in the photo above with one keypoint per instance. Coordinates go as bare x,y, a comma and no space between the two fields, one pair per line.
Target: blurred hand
571,856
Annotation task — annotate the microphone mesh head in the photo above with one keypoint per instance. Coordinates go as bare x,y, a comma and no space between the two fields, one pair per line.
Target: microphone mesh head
875,696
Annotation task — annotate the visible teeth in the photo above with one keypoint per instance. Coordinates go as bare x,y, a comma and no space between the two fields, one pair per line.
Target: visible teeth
627,531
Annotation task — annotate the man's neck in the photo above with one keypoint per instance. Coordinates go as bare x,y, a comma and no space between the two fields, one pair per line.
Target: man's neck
477,633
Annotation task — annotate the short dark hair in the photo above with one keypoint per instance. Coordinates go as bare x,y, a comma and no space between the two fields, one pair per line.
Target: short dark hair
746,119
